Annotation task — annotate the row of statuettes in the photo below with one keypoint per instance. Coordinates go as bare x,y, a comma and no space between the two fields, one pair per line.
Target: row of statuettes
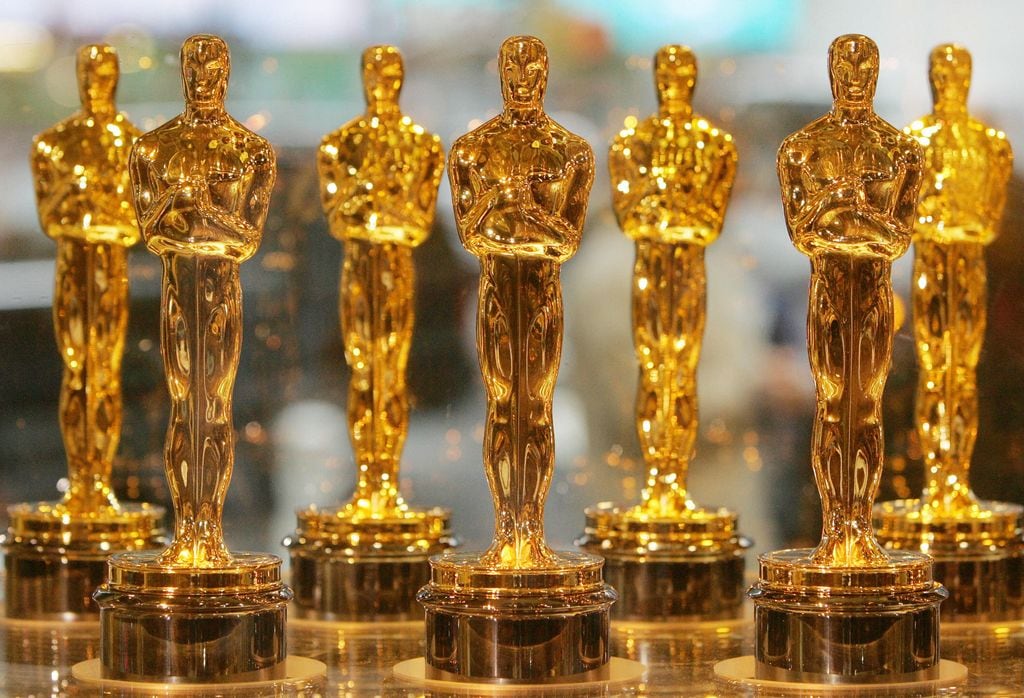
198,188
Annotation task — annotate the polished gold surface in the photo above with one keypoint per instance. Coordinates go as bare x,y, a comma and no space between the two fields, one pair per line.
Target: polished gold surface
671,176
213,624
80,170
976,544
849,187
379,175
520,185
201,185
56,551
848,611
195,612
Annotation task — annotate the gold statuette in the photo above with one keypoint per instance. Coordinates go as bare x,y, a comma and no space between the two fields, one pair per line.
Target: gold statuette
379,176
196,612
848,610
520,184
56,551
977,545
672,175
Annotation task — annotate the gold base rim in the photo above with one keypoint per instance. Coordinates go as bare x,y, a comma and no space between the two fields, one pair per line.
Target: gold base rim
615,530
40,525
795,570
331,532
205,625
300,672
743,670
141,572
466,573
847,633
994,529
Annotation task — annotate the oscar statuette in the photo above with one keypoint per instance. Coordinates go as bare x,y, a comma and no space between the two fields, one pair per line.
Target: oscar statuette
195,613
56,552
379,176
977,545
672,173
520,611
848,611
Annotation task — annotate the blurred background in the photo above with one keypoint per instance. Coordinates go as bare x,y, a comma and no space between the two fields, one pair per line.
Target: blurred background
296,76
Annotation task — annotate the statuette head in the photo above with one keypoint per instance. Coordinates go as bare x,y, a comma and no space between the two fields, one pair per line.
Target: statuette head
205,65
675,74
97,76
523,68
950,74
853,70
383,73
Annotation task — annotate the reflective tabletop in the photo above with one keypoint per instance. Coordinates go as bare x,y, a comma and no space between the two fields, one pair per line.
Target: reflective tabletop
680,659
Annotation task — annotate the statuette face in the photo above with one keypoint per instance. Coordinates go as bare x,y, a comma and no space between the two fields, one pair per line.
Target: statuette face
202,185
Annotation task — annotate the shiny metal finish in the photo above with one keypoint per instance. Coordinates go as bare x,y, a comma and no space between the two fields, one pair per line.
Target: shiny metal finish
650,589
679,658
214,624
672,176
519,611
364,569
537,624
194,612
978,558
671,569
848,611
977,545
379,174
56,551
55,562
828,624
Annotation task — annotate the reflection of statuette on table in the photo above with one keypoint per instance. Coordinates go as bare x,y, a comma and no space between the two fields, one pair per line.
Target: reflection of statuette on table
520,184
848,611
56,552
672,174
379,176
977,545
196,612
